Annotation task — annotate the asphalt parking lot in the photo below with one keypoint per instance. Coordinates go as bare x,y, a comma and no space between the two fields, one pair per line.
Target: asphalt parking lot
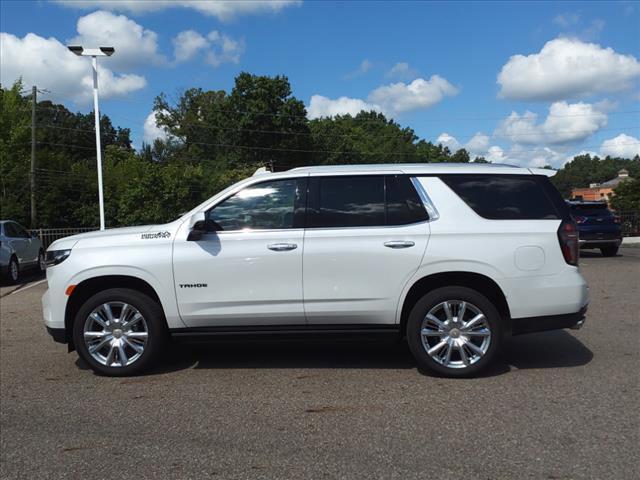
558,405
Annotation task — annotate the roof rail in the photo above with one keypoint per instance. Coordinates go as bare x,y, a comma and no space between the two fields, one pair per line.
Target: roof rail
261,171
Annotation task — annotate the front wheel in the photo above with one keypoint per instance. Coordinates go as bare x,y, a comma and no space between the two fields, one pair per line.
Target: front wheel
119,332
41,265
13,270
454,331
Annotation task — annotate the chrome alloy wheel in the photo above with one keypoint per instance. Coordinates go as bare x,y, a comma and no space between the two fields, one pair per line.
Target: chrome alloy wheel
455,334
115,334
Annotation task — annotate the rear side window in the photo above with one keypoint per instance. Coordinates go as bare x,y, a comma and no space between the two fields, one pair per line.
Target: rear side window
348,202
504,197
403,203
363,201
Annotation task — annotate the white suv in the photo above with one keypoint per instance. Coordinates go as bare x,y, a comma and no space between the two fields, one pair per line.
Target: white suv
452,257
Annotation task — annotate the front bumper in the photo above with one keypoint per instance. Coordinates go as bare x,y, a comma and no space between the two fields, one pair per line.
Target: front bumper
520,326
59,334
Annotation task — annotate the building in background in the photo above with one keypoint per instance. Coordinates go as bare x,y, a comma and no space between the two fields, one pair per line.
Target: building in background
600,191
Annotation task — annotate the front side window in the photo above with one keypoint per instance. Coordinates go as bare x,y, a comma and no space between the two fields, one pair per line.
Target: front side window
274,205
10,231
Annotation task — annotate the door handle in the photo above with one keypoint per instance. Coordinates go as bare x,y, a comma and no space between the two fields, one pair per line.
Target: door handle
399,244
282,247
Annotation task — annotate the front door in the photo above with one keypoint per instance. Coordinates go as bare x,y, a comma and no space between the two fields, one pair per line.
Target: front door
249,271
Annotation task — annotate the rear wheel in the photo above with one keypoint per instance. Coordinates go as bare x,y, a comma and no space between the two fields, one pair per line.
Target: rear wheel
609,251
454,331
119,332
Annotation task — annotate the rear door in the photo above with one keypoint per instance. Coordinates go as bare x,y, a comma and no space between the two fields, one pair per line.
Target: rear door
365,237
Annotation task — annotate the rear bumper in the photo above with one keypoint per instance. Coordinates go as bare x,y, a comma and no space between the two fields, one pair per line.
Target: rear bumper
601,243
575,320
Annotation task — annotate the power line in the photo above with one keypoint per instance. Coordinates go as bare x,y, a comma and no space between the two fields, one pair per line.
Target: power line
285,115
359,135
332,152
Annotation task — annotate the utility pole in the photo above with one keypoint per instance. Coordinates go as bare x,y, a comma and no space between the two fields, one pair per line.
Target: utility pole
32,176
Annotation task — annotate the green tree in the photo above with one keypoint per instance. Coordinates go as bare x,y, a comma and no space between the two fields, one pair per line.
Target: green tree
627,196
15,157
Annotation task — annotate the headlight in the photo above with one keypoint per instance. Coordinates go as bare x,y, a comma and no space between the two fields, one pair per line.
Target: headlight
54,257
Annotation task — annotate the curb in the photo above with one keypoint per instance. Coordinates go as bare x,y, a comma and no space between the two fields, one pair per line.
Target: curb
631,241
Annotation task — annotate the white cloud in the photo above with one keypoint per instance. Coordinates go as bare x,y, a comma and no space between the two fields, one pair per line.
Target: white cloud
567,68
402,71
363,68
224,49
219,47
567,19
223,10
152,131
448,141
47,63
623,145
495,154
478,144
566,123
326,107
186,44
134,44
389,99
417,95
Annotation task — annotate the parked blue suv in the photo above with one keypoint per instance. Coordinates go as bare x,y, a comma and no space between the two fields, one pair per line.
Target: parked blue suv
597,226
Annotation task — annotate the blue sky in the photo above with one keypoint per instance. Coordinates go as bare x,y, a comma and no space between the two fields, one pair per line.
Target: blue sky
527,83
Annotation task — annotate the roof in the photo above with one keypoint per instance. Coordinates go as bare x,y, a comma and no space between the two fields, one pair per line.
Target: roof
614,182
425,168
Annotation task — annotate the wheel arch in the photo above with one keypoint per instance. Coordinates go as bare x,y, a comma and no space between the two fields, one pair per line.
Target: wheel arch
475,281
93,285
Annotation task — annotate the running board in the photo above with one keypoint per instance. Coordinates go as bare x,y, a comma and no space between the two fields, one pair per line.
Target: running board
282,331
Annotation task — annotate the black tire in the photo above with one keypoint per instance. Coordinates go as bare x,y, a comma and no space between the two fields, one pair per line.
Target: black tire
41,267
155,323
609,251
13,270
431,300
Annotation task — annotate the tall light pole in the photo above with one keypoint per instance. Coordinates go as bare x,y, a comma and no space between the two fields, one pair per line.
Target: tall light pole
94,53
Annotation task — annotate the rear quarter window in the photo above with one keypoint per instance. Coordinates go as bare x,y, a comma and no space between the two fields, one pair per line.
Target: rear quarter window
505,197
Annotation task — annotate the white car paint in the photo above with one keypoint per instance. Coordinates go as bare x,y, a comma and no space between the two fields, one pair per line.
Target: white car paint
333,276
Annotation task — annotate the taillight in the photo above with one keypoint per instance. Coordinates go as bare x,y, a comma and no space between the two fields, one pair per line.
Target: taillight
569,244
580,219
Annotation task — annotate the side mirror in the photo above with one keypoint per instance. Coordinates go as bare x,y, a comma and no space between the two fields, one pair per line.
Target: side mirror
199,224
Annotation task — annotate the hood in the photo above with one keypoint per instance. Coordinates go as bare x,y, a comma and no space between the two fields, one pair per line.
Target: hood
69,242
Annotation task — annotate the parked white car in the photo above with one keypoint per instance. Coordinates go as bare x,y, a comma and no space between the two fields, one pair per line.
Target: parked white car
19,251
454,257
